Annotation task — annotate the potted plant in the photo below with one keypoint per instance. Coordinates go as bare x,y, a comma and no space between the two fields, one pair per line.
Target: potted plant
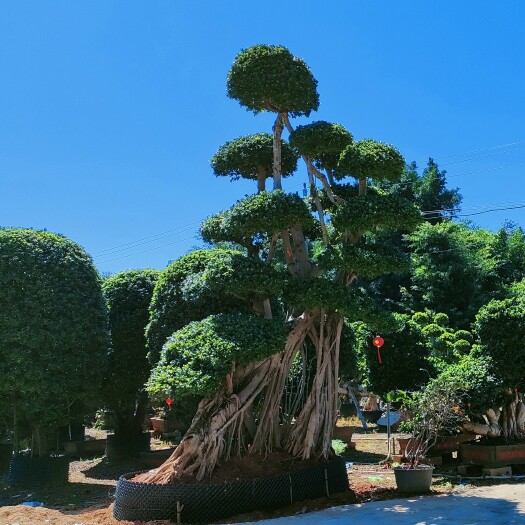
436,412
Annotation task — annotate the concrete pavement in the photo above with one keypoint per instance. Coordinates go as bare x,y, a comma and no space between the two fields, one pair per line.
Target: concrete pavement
501,504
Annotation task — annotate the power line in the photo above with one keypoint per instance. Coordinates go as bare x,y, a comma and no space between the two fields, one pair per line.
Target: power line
146,251
496,168
482,149
477,158
147,240
426,213
491,210
477,206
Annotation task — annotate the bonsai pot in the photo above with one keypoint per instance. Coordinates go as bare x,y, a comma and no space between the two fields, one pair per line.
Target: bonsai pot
347,410
85,447
414,480
74,432
28,471
447,444
493,456
155,458
402,442
163,426
123,447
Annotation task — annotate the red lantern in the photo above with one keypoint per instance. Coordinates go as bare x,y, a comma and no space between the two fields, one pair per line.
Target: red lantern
169,402
378,342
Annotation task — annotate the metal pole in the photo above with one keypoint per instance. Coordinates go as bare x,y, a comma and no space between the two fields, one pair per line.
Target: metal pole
388,427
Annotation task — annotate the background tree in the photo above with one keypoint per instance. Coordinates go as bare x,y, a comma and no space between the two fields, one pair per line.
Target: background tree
507,249
451,269
404,364
53,329
238,350
128,296
429,192
500,327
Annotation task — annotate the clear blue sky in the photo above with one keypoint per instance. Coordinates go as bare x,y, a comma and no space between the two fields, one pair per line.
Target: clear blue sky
111,110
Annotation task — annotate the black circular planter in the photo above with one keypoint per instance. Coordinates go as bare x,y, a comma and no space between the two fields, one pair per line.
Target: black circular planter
28,471
123,447
204,503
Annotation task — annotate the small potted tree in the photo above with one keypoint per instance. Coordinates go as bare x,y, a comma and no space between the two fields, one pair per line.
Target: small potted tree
437,410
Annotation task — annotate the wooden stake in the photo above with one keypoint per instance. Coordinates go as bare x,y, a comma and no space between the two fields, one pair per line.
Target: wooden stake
179,513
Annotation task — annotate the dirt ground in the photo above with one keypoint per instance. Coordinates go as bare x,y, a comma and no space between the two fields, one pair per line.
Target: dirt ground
87,498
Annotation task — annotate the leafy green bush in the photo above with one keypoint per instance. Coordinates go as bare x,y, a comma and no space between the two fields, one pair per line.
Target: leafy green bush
128,296
270,78
53,327
197,358
248,155
322,142
183,294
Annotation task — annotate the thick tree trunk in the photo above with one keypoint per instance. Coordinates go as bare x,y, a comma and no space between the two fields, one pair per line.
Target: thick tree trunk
511,413
269,432
277,133
39,442
312,432
223,425
508,422
261,179
217,430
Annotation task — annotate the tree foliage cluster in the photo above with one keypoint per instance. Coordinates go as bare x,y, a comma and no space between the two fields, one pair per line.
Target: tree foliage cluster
53,328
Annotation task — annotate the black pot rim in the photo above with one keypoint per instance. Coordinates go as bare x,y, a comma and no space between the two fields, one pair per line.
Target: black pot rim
126,477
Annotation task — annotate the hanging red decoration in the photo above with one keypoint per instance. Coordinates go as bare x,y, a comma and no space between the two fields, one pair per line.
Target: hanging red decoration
378,342
169,402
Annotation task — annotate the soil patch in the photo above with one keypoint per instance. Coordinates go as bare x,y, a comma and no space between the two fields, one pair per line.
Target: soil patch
87,498
255,466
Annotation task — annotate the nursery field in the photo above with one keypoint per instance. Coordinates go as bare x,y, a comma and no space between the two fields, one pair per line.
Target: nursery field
87,498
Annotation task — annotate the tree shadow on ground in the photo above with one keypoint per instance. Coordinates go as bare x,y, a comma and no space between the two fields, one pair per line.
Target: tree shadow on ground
66,496
360,456
112,470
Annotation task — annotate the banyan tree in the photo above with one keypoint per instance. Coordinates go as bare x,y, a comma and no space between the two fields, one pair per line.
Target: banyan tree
230,326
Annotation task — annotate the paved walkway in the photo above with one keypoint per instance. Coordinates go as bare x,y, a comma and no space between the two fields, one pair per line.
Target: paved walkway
502,504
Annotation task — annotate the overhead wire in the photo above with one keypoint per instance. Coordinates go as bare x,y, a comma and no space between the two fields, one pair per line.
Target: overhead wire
479,150
427,213
146,251
147,240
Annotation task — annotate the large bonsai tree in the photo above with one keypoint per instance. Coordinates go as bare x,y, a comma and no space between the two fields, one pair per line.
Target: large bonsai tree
241,318
128,296
53,329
